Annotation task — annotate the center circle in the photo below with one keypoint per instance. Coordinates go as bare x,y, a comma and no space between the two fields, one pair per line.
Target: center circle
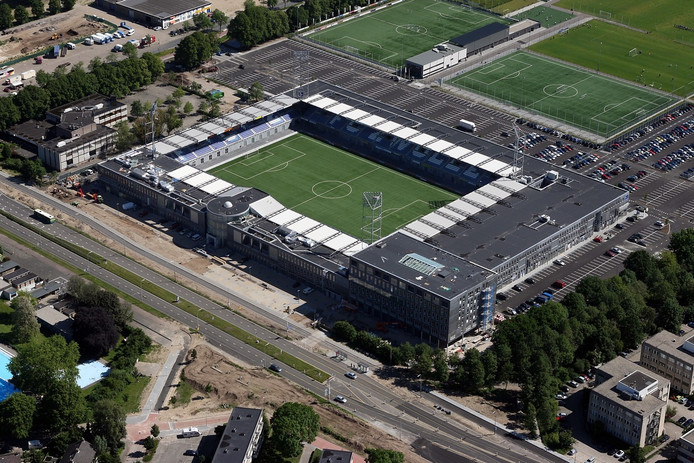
331,189
560,90
411,29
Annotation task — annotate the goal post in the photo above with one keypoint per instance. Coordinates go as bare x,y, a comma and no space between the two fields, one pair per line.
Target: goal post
633,52
352,50
605,14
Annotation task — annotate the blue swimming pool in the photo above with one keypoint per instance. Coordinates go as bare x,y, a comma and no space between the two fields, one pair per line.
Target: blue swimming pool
6,389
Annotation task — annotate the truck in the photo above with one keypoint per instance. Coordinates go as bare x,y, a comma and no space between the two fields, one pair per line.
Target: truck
467,125
190,432
70,46
14,81
128,206
89,41
63,51
125,26
28,74
56,51
99,38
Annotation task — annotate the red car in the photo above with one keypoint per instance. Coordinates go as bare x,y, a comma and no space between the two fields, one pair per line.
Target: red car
598,239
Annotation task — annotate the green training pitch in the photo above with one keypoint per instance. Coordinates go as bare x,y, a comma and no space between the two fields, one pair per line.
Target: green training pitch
547,17
657,17
562,92
400,31
646,59
326,184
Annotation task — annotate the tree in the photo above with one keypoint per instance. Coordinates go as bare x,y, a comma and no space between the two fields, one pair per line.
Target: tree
473,371
124,137
344,331
108,422
155,430
32,171
129,50
20,14
155,65
137,109
17,415
271,4
202,21
42,362
63,406
172,120
195,49
37,8
256,92
68,4
292,424
384,456
53,7
219,18
6,18
32,102
682,244
24,323
95,331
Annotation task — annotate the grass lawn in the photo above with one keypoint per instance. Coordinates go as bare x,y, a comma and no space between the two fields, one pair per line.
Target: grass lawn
397,32
506,7
5,322
326,184
657,17
133,393
562,92
547,17
661,63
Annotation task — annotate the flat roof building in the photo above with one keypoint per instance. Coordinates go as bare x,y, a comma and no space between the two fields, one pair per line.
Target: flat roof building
685,450
629,402
335,456
162,13
242,436
672,357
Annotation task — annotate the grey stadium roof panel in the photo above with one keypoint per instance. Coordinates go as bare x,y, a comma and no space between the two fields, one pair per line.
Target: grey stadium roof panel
164,9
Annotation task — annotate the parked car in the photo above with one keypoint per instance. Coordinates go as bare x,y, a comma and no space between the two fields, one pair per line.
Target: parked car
559,262
619,454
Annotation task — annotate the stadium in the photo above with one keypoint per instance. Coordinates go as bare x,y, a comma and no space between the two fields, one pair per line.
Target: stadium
254,181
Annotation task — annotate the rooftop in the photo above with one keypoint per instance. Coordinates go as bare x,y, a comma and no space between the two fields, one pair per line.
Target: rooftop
335,456
238,435
164,9
673,345
615,374
423,265
477,34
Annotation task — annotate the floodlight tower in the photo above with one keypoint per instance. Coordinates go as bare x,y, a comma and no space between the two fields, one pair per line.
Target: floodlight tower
371,216
302,67
517,154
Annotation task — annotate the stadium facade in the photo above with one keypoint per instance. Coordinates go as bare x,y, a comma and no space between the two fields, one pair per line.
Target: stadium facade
438,275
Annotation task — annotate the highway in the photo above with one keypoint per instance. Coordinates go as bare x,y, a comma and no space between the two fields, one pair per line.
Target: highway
367,398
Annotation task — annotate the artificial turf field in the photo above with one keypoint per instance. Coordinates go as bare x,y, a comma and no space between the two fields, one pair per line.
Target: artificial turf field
661,63
562,92
400,31
326,184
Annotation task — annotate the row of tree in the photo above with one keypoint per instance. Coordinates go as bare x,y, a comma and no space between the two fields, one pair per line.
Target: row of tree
256,24
20,15
112,79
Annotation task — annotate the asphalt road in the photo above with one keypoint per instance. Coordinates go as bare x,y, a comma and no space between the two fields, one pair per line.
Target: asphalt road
367,398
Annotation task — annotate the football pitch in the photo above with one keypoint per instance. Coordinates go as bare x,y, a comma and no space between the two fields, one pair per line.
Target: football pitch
547,17
326,184
402,30
583,99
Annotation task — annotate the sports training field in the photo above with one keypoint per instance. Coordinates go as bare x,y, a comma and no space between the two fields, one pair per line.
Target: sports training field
397,32
326,184
655,61
547,17
583,99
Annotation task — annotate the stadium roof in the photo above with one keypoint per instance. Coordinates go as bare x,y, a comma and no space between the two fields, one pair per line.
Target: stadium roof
479,34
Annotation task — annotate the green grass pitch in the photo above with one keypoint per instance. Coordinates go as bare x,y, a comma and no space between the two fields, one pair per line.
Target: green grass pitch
661,63
547,17
326,184
402,30
657,17
562,92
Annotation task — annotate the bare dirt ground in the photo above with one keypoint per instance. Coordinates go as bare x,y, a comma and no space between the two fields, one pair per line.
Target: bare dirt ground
35,35
236,384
